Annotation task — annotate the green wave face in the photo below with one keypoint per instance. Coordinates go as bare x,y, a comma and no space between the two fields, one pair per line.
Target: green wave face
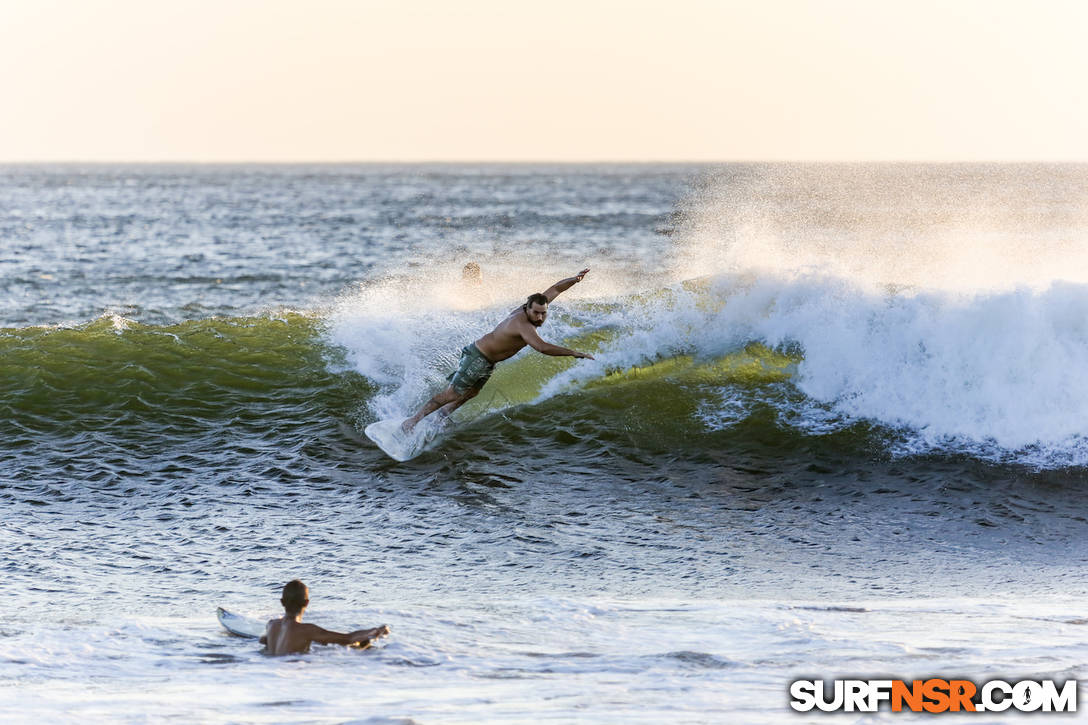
756,364
522,380
657,411
184,377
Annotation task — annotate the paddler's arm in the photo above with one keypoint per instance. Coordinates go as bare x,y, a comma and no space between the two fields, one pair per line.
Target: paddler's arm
563,285
359,636
364,636
533,340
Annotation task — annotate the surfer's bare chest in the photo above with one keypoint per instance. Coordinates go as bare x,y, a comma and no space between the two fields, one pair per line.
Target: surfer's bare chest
504,341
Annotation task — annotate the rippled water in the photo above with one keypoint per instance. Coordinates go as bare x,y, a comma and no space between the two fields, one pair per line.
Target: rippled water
796,453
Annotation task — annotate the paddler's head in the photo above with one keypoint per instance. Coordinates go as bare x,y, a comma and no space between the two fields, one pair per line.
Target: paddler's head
295,597
472,275
536,309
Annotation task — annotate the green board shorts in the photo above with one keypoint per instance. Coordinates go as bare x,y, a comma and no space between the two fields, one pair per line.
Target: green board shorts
473,370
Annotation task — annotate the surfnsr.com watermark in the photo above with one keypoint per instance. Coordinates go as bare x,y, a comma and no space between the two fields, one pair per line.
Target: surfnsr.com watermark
933,695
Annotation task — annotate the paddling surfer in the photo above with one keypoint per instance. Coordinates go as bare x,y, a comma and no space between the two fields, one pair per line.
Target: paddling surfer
506,340
290,635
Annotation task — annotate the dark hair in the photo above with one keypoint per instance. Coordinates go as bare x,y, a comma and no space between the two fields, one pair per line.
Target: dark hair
295,596
536,298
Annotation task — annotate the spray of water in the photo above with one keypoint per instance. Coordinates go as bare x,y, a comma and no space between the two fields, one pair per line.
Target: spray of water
946,301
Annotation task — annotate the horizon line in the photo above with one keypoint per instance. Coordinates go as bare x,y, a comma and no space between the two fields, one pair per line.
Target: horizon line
517,162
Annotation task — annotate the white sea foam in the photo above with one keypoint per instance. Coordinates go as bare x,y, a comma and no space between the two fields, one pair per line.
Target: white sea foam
593,660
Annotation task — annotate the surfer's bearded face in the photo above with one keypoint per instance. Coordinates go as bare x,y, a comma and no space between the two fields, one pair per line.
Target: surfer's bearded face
536,313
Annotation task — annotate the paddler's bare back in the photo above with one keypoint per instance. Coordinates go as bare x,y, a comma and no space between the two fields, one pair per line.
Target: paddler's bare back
286,636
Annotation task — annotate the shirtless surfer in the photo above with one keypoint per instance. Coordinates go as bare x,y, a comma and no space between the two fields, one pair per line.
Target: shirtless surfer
506,340
290,635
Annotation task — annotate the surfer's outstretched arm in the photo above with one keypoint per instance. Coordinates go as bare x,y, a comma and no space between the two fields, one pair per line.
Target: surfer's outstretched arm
534,341
562,286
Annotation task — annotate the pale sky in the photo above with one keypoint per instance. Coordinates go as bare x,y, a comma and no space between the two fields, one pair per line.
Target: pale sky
554,80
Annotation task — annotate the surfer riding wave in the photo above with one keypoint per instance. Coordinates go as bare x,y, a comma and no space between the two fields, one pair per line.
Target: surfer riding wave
506,340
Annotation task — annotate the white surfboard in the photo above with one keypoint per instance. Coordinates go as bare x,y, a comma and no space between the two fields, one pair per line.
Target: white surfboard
397,444
238,625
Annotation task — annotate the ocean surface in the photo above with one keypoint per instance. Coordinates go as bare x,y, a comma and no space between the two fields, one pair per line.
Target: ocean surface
837,426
